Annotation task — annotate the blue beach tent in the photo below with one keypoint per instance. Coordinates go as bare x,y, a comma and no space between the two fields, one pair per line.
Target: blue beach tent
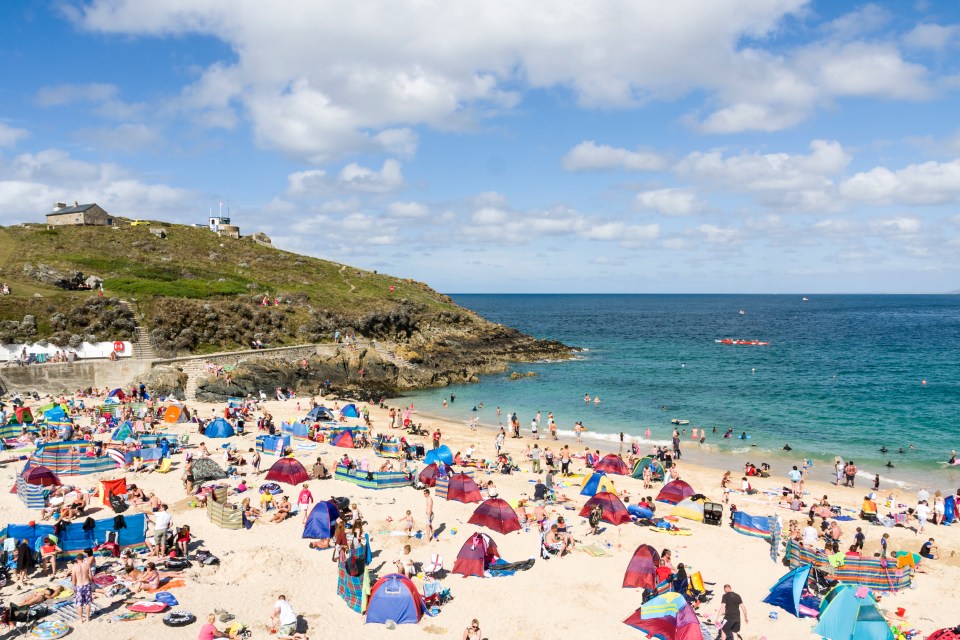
321,414
121,433
219,428
350,411
597,482
440,454
321,521
844,614
788,594
395,597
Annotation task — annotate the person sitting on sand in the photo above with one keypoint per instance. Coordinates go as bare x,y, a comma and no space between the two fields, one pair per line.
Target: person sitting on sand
473,631
283,510
148,579
319,470
554,541
251,512
404,563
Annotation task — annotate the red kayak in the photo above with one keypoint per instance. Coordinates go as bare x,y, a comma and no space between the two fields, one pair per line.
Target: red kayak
744,343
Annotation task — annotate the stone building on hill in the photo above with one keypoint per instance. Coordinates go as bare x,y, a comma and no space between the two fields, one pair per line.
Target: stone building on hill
78,215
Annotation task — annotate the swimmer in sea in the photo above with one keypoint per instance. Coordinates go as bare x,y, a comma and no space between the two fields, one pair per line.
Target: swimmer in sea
743,436
953,457
596,399
787,447
900,451
890,464
883,449
586,397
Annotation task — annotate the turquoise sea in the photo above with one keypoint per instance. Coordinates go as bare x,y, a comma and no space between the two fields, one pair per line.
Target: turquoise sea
842,375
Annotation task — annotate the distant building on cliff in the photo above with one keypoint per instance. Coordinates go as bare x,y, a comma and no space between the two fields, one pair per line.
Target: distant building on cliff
78,215
220,224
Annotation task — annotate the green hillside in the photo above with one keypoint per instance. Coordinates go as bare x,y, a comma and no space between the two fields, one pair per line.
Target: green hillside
197,292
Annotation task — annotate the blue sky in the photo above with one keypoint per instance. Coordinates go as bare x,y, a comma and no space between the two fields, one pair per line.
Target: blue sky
496,146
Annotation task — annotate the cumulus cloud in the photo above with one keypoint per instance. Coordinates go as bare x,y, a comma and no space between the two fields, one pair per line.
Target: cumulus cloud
387,70
407,210
35,180
589,156
352,177
127,137
104,96
670,202
936,37
928,183
9,136
799,181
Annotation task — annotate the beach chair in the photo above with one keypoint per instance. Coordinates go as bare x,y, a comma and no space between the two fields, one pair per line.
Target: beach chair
164,465
434,566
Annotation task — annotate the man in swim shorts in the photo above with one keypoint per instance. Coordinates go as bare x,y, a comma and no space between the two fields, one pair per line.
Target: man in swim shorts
81,579
429,513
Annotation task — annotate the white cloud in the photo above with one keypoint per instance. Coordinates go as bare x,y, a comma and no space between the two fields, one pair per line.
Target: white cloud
358,178
796,178
309,181
10,135
714,234
928,183
104,96
407,210
752,117
37,180
670,202
898,226
932,36
589,156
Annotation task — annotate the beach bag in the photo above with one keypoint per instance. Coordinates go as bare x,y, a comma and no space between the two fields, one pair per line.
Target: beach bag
355,564
207,558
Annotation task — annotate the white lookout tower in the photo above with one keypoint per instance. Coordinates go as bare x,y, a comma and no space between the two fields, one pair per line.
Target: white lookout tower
218,221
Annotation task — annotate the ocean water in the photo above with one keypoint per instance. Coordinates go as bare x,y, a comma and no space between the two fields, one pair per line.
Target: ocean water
842,375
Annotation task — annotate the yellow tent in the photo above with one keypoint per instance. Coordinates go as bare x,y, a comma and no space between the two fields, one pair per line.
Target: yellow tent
688,509
595,483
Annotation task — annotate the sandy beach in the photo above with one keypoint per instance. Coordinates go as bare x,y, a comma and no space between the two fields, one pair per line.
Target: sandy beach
557,598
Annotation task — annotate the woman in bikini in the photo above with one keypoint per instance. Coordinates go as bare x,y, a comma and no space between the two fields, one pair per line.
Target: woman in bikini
473,631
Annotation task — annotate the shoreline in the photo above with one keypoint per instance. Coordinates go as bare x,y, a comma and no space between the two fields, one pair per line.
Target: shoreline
710,455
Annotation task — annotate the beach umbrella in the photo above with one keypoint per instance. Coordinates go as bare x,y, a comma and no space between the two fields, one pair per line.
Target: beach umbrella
667,616
496,514
613,510
612,463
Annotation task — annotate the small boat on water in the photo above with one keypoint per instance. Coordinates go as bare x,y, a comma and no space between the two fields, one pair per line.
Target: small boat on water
805,299
742,312
680,421
744,343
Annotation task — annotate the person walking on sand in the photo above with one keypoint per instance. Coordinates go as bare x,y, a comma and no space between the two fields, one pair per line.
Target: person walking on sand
428,500
304,500
732,606
82,581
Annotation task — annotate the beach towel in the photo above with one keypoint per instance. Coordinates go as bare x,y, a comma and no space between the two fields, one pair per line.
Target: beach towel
353,589
594,550
168,583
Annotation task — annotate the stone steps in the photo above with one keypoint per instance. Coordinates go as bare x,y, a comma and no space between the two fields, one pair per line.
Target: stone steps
143,348
389,356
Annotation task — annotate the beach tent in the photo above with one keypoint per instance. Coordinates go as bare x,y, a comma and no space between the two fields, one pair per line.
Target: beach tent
462,488
395,597
23,415
642,569
118,394
205,469
343,439
496,514
612,463
477,553
613,510
433,471
667,616
648,461
440,454
350,411
175,413
689,509
121,433
851,613
288,470
321,521
674,492
40,476
110,488
945,634
219,428
55,415
320,414
790,594
595,483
